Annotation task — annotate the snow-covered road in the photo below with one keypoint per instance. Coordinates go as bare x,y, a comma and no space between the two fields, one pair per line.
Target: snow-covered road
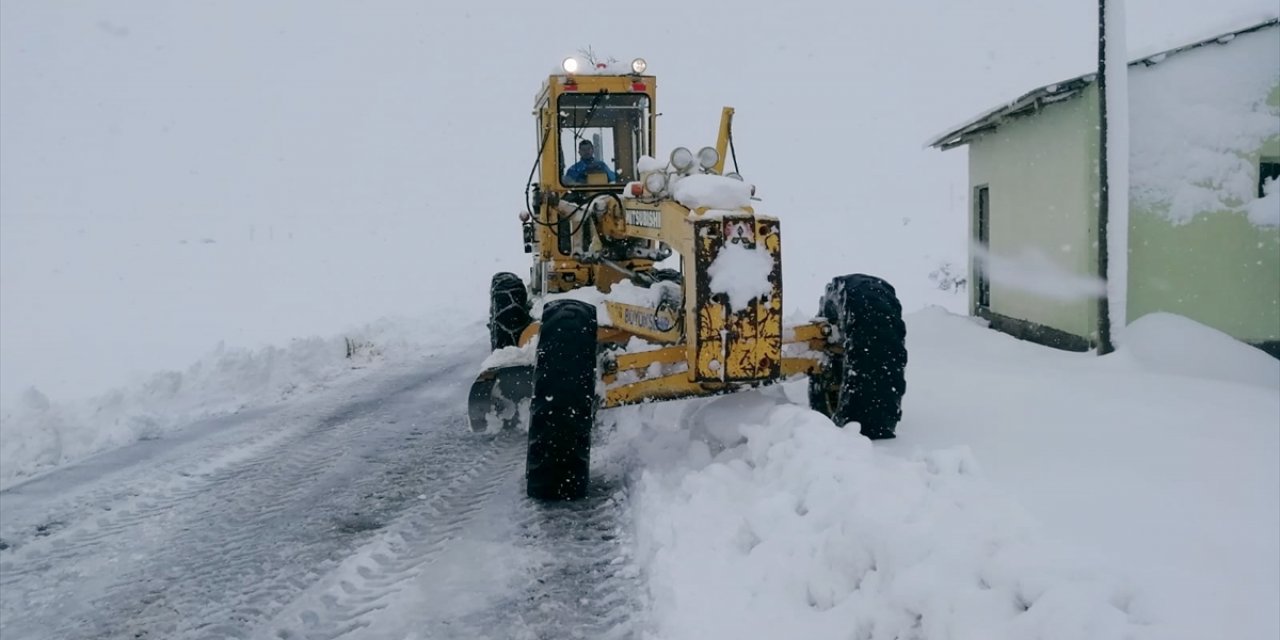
369,509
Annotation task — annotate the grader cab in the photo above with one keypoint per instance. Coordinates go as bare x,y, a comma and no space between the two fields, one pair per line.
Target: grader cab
657,280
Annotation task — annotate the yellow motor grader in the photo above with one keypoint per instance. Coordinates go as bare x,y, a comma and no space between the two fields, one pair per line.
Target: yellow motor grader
656,280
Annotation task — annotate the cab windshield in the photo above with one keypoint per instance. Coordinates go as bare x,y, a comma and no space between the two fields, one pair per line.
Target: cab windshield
602,137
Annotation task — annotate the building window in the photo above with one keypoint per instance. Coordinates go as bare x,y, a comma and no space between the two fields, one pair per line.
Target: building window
982,238
1268,170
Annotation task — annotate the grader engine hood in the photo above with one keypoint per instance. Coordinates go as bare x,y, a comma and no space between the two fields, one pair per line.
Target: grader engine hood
737,298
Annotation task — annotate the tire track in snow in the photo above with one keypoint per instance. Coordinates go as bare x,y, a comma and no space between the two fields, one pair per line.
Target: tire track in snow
270,532
554,570
250,545
105,491
39,570
123,498
485,563
588,584
64,533
237,543
352,596
139,496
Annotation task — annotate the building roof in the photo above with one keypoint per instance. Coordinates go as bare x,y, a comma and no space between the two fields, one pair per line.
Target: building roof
1036,99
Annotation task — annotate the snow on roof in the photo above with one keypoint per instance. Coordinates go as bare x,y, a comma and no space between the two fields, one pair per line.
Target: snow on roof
1032,101
1193,142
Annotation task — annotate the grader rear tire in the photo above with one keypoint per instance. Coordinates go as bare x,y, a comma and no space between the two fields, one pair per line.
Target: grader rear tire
563,410
508,310
866,382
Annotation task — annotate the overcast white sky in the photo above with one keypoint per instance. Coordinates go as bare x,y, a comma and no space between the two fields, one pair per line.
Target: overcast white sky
383,149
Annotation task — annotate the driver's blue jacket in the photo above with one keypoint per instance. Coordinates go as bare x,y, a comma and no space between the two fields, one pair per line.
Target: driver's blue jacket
578,172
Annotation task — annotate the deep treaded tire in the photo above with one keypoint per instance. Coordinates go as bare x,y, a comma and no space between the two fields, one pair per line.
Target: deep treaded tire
563,409
508,310
866,383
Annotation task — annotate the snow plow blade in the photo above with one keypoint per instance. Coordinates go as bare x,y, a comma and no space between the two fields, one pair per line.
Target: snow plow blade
497,398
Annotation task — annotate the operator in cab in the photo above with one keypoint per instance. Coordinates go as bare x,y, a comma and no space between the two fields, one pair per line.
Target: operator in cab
587,163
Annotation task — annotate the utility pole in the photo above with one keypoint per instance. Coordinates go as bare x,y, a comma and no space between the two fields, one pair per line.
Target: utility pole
1113,173
1104,312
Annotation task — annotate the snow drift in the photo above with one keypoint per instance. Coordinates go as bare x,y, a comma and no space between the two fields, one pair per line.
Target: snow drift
1174,344
39,433
760,519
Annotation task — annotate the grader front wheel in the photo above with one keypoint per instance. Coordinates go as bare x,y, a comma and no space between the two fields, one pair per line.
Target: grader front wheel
865,382
563,411
508,310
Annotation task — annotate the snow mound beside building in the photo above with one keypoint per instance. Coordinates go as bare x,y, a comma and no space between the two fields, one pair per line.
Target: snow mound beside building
1173,344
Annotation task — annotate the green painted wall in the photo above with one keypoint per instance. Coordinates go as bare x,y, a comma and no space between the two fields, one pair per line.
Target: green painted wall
1219,269
1040,173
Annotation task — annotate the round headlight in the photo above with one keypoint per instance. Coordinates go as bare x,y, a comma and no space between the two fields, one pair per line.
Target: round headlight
735,175
570,65
655,182
708,157
639,65
681,158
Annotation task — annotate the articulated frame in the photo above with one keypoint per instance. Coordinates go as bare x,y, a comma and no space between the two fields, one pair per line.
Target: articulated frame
812,338
681,385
